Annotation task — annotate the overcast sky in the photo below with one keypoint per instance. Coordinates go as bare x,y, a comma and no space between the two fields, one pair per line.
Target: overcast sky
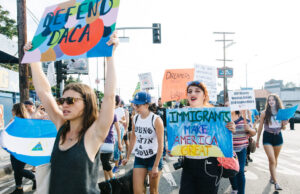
267,38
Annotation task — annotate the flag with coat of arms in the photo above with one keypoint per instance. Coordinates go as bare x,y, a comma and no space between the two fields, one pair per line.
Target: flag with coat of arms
29,140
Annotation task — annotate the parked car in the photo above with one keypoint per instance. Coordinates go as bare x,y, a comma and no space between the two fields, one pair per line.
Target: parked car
295,119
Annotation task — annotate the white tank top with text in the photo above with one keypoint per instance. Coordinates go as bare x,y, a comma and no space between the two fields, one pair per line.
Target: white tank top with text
146,139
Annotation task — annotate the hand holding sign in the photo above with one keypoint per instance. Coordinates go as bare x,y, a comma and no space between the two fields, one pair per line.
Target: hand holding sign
74,29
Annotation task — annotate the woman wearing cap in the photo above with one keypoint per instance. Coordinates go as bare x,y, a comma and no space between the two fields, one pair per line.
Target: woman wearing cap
148,141
81,129
200,174
272,137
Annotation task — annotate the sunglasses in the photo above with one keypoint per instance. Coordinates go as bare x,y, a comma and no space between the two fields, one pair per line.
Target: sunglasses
193,83
68,100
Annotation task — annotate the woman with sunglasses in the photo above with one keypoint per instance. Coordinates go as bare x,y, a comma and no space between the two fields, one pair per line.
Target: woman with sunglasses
147,137
81,130
200,175
272,137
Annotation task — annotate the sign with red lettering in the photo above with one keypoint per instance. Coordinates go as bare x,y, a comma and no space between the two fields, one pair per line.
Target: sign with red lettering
175,83
199,132
74,29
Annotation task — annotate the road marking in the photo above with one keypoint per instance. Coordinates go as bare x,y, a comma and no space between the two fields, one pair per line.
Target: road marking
170,179
168,176
6,183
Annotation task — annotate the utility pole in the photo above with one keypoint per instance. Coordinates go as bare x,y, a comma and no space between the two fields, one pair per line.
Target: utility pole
224,59
22,39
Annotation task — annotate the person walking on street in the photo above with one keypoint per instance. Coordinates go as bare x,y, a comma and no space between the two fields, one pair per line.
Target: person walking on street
243,131
147,142
161,111
272,137
119,111
194,178
107,149
19,110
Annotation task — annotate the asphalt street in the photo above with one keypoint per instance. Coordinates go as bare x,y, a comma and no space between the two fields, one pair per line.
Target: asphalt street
257,175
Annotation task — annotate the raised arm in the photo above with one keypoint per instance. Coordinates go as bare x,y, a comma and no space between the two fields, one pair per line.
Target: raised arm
99,129
43,90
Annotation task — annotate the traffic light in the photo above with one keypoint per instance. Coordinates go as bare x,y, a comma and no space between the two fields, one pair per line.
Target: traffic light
156,27
61,71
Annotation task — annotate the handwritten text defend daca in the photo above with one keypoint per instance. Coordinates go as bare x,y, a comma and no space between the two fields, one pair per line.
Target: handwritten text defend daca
64,14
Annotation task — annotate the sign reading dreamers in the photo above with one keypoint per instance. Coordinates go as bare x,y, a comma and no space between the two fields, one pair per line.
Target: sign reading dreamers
74,29
199,132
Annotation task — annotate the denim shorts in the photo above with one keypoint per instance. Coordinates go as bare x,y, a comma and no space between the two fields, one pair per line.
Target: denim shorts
147,163
272,139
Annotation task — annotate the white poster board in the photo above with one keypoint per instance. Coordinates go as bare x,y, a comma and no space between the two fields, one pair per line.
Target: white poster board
146,81
207,75
241,100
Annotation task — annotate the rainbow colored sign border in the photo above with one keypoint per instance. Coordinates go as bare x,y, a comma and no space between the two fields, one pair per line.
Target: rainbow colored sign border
74,29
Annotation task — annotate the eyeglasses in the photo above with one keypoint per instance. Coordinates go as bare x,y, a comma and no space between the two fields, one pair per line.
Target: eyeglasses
68,100
193,83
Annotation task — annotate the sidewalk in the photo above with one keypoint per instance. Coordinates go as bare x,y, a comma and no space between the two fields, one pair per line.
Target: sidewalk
5,166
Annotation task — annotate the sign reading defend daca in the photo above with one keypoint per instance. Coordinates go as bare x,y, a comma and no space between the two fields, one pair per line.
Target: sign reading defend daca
74,29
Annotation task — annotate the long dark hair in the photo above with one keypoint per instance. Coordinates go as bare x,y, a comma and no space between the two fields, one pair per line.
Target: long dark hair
90,112
20,110
268,108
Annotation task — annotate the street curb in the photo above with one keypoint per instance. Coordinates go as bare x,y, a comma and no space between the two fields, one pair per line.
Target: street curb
7,169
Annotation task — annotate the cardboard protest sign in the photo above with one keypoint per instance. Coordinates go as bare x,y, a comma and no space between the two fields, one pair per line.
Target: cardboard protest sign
207,75
175,83
146,81
286,114
74,29
241,100
199,132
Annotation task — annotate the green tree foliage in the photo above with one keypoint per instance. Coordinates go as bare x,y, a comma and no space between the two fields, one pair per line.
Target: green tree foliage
8,26
13,67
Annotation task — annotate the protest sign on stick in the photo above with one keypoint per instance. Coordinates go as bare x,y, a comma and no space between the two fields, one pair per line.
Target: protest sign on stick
74,29
199,132
146,81
207,75
241,100
175,83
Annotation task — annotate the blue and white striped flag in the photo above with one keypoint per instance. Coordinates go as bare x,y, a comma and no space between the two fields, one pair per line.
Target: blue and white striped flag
29,140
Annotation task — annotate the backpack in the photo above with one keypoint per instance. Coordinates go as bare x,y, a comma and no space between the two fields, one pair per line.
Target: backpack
229,166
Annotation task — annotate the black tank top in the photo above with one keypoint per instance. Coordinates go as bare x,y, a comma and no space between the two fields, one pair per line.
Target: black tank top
72,171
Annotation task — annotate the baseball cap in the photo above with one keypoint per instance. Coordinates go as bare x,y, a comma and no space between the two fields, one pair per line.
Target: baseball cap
28,102
141,98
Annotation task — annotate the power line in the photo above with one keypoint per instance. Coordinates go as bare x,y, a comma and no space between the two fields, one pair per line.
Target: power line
34,18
